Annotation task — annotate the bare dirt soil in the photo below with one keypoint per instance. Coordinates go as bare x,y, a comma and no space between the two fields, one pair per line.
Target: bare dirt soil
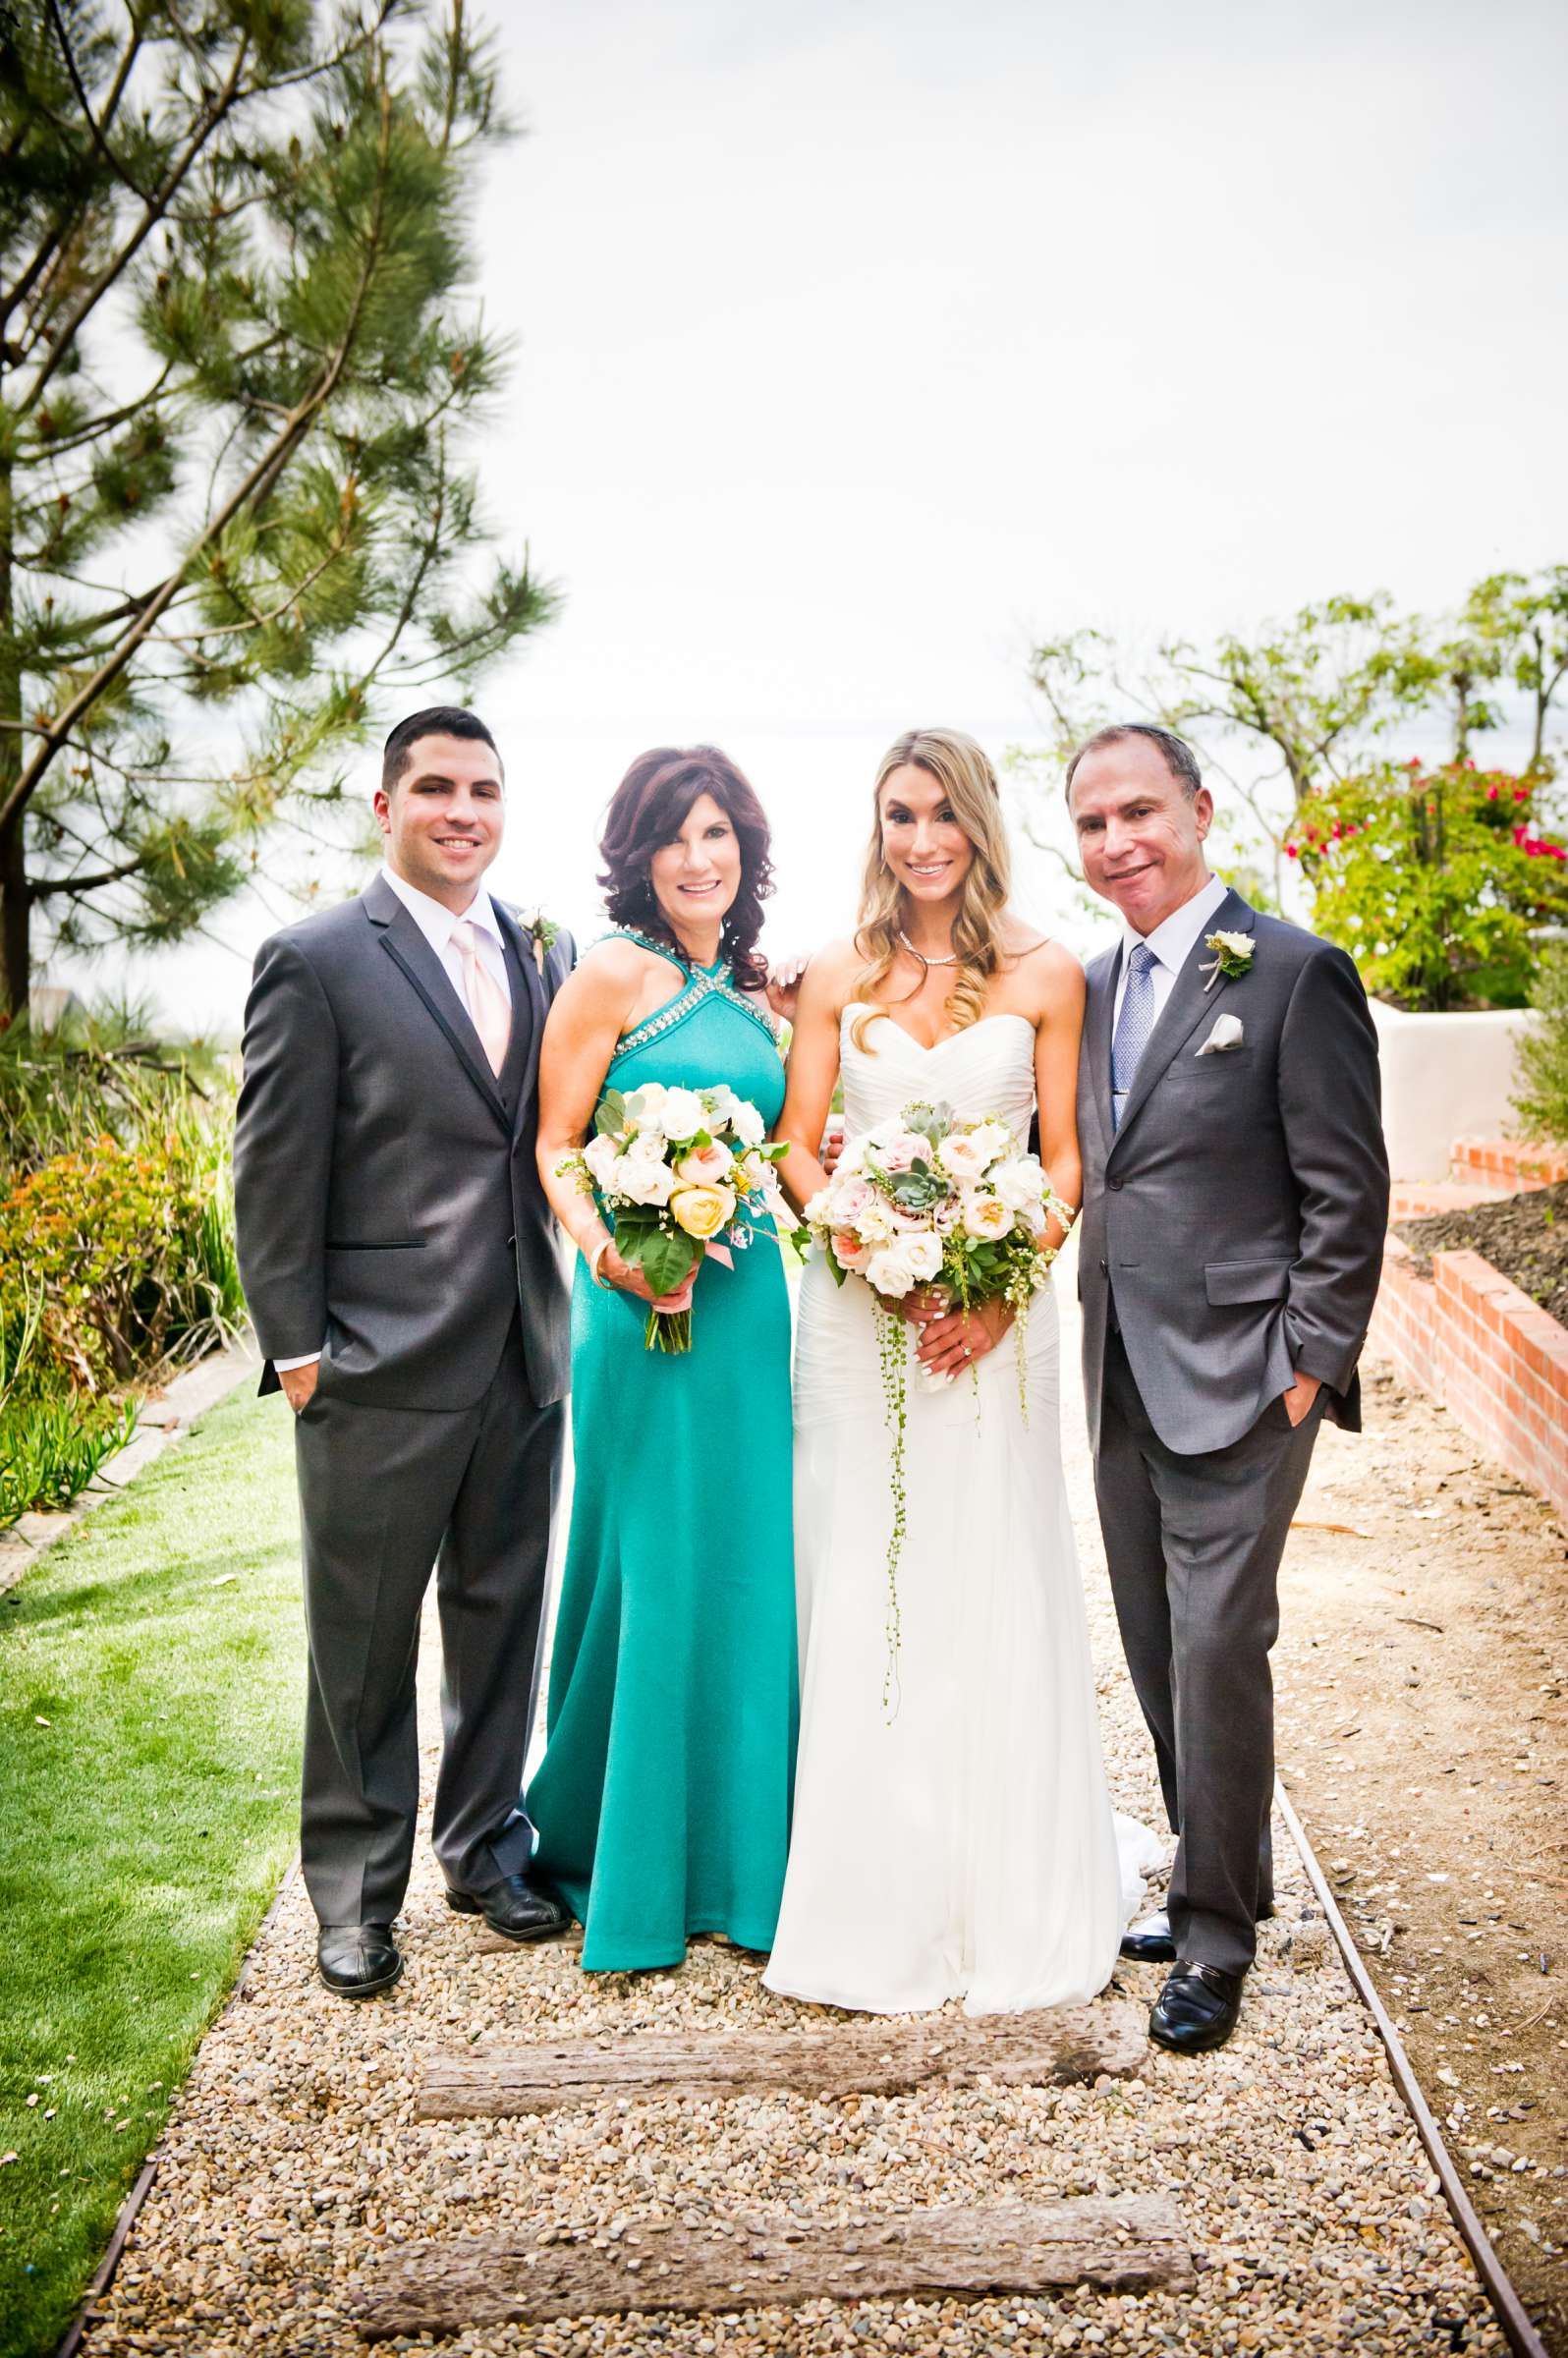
1423,1736
1525,1236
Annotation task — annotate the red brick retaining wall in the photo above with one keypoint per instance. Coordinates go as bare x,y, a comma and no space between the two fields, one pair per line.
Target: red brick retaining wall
1495,1359
1508,1166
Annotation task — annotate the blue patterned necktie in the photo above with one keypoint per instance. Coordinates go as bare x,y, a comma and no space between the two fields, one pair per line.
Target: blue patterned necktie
1132,1027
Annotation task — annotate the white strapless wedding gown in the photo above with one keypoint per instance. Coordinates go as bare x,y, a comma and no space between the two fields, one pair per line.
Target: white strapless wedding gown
967,1849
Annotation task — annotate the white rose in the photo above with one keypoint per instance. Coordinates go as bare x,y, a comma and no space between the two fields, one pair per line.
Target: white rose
923,1255
852,1159
682,1113
642,1105
747,1124
986,1216
601,1155
961,1157
889,1271
874,1226
643,1175
752,1173
820,1210
1021,1183
991,1139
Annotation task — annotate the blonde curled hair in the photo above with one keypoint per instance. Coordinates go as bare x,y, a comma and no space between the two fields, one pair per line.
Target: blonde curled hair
969,782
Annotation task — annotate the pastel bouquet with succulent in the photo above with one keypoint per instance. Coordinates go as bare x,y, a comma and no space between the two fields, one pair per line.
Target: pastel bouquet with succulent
930,1203
686,1174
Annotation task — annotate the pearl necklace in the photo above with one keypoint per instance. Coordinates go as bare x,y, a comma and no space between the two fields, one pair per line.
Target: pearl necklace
955,959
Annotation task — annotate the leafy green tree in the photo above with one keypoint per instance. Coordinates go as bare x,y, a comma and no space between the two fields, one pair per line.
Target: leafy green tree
1522,620
238,384
1543,1100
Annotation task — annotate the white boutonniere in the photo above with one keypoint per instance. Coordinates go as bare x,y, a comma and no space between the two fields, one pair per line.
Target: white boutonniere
1232,955
542,935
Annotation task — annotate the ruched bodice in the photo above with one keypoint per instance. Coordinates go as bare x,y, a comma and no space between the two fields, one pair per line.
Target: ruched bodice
987,1069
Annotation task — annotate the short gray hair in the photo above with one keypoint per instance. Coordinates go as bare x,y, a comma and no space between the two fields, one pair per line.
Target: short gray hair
1178,755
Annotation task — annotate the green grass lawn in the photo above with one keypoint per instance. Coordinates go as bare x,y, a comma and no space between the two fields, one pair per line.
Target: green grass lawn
150,1701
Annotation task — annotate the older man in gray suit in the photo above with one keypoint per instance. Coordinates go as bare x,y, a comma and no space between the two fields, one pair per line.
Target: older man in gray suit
399,1262
1235,1201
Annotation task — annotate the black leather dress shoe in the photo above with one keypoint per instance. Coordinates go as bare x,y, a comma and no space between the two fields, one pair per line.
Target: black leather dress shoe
355,1960
1197,2010
1148,1941
513,1908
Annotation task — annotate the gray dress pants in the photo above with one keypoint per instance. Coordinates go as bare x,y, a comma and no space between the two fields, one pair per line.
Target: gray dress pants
1193,1545
386,1496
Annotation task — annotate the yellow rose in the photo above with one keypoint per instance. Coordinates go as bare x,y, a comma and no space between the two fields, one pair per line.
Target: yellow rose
702,1210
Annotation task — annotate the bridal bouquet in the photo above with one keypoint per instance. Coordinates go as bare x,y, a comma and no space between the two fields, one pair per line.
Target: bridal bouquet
957,1206
686,1173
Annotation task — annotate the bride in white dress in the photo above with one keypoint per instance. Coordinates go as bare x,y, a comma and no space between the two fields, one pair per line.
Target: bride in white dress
965,1846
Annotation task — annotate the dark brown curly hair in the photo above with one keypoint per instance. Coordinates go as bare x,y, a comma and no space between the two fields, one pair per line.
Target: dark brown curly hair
648,810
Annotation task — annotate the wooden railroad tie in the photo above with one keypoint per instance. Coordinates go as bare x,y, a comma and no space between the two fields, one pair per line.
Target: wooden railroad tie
1058,2046
1133,2244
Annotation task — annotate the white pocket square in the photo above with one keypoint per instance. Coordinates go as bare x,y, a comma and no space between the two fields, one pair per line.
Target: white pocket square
1224,1032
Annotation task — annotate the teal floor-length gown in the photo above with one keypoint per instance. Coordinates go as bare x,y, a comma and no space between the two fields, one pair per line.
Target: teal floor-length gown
663,1800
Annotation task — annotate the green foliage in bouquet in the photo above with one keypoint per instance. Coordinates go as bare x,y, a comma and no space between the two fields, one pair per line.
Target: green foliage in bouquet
1542,1104
1435,882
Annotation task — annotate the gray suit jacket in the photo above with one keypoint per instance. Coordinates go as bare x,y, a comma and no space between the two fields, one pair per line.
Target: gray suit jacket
1238,1213
387,1198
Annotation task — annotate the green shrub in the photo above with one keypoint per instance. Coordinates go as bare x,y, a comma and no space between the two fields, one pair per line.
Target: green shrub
1437,883
51,1449
52,1440
1543,1100
126,1246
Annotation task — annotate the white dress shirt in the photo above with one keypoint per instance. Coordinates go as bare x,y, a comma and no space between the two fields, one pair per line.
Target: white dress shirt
1172,942
436,921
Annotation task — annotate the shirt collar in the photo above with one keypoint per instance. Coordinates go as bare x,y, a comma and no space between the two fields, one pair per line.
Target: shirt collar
434,919
1175,938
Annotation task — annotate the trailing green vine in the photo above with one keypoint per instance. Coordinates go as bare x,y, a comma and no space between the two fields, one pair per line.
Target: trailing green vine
892,1347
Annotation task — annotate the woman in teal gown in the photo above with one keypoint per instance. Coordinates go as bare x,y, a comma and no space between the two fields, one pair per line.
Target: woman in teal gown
663,1801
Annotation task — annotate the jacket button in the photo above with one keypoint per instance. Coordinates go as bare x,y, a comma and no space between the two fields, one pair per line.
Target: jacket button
511,1244
1113,1183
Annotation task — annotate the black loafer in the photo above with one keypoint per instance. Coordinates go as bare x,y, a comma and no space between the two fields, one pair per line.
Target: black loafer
514,1909
1197,2010
1148,1941
358,1960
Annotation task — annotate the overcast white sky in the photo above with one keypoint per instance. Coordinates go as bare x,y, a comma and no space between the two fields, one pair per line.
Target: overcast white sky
855,351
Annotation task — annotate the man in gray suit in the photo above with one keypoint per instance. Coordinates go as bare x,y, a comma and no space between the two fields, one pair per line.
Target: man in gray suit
1235,1201
399,1262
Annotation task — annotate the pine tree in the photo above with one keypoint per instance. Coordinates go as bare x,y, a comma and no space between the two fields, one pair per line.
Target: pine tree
238,384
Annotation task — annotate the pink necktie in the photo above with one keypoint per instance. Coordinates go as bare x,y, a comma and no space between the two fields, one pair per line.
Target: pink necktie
488,1001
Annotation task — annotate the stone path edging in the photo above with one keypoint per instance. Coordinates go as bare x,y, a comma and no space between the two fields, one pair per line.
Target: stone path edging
164,1420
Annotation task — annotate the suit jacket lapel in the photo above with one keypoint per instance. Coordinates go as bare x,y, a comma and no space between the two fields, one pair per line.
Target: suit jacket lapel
528,1007
1192,998
1102,974
409,950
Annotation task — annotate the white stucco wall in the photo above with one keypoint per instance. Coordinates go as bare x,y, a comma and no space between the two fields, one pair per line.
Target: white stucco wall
1445,1077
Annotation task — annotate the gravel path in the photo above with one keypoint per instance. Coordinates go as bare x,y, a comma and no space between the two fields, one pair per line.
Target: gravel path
1313,2216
